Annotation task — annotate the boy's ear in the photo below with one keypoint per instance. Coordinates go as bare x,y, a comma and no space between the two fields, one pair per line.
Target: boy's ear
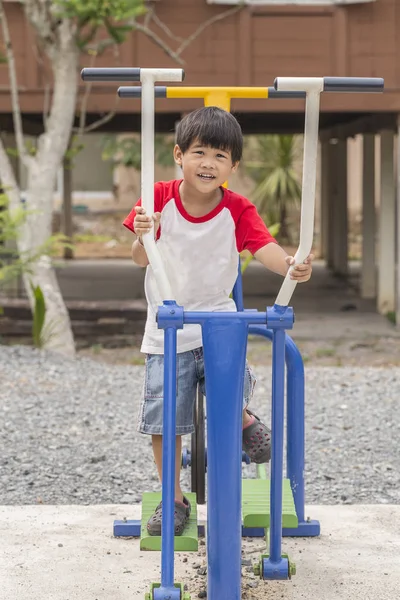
178,154
235,167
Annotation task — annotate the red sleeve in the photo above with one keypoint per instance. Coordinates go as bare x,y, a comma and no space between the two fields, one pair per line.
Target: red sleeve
251,231
158,204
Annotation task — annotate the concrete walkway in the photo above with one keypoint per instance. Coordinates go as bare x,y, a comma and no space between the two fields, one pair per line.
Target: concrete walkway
69,553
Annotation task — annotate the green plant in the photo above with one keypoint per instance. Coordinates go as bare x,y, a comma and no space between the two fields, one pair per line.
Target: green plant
137,360
39,315
391,317
270,160
91,15
97,348
127,151
325,352
30,148
41,333
91,238
13,264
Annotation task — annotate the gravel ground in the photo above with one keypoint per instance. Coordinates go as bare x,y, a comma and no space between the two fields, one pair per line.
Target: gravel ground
68,432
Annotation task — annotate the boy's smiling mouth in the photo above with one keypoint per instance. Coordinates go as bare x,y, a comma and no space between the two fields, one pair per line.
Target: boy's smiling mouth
206,176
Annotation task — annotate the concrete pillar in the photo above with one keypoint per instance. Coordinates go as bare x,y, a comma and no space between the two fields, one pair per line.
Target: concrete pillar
368,267
340,218
330,182
398,225
324,212
387,227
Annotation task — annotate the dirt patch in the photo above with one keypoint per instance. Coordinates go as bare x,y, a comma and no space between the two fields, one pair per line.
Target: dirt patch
253,588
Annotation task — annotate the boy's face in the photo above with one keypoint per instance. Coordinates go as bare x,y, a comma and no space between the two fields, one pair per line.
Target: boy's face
203,167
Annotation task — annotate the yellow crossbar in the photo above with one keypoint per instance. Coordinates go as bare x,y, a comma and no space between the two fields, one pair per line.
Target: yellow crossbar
217,96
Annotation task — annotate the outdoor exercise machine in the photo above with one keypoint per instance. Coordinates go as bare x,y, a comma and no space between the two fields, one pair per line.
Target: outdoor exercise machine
255,519
196,457
224,342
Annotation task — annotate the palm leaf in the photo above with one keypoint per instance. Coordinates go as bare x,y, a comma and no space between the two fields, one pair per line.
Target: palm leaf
271,162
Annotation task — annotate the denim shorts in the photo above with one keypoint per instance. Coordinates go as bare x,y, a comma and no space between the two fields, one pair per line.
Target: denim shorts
190,374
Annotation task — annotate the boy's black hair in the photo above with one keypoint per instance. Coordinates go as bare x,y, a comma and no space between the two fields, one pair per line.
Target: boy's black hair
211,126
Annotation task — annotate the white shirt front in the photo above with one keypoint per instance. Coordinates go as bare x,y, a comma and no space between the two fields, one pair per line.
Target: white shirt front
200,256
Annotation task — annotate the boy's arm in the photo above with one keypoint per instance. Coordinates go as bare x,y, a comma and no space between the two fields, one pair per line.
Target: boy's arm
139,255
143,224
274,258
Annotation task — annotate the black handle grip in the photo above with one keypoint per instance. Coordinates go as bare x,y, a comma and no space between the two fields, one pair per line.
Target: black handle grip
273,93
111,74
353,84
135,91
160,91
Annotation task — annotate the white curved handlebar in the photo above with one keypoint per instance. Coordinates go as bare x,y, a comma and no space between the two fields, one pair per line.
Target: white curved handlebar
313,87
148,77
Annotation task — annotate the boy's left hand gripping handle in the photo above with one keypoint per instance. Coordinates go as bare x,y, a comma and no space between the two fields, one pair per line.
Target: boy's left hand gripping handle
129,74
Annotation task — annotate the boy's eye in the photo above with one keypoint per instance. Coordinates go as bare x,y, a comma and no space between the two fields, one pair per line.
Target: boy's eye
221,156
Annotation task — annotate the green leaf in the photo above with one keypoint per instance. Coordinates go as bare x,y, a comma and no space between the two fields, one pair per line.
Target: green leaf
39,315
115,32
94,14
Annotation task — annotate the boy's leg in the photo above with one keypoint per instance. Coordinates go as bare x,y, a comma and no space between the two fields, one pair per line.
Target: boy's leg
256,437
151,422
157,451
247,418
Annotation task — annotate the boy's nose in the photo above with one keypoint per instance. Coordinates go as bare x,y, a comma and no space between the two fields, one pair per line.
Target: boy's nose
207,163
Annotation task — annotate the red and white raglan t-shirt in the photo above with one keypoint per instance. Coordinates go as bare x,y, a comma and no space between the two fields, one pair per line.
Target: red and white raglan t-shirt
200,256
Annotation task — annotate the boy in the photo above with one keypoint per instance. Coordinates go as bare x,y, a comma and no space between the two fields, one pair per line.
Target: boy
200,228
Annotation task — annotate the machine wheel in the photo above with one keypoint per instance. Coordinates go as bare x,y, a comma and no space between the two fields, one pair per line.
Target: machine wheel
198,451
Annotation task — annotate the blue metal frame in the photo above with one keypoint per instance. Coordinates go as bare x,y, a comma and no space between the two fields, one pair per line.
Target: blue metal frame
295,433
224,343
295,420
174,322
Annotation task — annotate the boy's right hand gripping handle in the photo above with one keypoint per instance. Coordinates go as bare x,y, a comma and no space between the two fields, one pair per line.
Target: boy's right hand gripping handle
313,86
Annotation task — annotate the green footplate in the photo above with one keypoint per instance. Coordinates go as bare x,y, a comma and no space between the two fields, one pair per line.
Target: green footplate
150,595
256,504
187,542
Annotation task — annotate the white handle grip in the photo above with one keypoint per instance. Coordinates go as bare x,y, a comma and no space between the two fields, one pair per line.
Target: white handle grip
308,184
313,86
148,77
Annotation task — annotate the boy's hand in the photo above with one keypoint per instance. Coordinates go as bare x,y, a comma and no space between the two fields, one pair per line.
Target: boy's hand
301,272
143,224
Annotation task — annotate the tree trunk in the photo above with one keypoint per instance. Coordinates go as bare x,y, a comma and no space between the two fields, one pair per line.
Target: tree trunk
66,212
38,229
41,184
42,176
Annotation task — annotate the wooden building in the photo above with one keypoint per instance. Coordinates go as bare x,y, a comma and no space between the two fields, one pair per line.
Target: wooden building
250,47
